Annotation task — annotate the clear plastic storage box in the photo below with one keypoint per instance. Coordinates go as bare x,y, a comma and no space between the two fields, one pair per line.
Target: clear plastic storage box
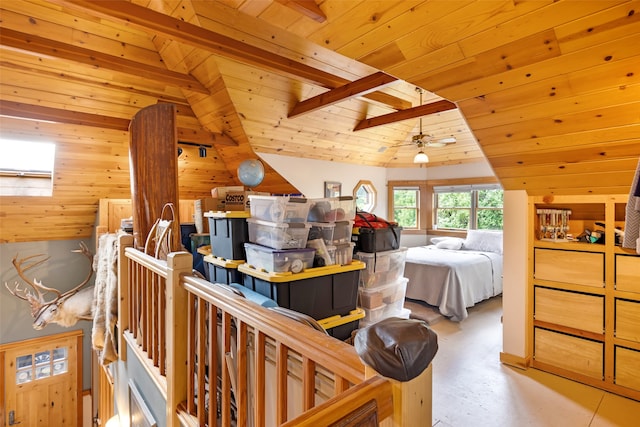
405,313
382,268
388,303
279,261
278,235
331,209
279,208
333,233
383,295
341,254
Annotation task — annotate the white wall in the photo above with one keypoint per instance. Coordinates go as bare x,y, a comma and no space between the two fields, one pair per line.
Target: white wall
514,295
309,176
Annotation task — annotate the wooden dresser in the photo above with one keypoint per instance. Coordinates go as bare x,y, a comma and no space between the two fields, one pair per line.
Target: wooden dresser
585,296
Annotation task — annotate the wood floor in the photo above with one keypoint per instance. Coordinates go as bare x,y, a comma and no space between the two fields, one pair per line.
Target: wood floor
472,388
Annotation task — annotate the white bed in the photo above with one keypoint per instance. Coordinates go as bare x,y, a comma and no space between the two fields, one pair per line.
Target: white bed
454,274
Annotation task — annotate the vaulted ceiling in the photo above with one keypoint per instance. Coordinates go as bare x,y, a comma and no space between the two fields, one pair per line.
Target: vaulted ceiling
547,91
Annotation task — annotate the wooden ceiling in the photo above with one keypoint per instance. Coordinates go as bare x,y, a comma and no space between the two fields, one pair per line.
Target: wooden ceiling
547,91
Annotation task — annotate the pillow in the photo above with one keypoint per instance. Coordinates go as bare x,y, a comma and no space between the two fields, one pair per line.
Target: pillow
450,243
438,239
484,241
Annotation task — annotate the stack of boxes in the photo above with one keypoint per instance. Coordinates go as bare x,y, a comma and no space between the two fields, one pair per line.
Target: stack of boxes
273,249
278,232
331,221
382,287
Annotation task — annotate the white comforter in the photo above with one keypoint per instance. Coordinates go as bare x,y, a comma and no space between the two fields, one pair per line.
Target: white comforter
452,280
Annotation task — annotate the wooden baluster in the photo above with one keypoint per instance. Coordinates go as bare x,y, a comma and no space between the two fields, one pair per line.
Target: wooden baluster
259,386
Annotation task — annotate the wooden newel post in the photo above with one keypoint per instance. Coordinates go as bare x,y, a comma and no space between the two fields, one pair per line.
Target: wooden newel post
178,263
412,400
401,351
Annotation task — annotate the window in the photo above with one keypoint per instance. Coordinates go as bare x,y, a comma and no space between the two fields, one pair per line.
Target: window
43,364
453,210
26,168
406,207
468,207
365,194
451,205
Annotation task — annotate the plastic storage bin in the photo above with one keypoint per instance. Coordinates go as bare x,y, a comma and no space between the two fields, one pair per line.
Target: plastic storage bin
382,268
376,239
229,232
278,235
279,208
381,296
390,305
405,313
341,327
341,254
222,271
279,260
319,292
331,209
333,233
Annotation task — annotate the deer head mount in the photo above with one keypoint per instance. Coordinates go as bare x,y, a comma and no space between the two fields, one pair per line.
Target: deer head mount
66,308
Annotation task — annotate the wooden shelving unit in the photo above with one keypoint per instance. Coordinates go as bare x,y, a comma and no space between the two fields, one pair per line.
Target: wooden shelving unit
585,297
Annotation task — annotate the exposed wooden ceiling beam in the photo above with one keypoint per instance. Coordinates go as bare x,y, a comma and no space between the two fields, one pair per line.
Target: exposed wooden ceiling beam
193,35
37,112
350,90
308,8
411,113
32,43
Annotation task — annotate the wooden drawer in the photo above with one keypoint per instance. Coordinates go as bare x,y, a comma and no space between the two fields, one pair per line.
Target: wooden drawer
628,320
568,352
572,309
582,268
627,369
628,273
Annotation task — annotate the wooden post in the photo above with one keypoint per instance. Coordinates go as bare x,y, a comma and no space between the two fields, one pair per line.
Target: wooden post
179,263
412,400
124,241
153,158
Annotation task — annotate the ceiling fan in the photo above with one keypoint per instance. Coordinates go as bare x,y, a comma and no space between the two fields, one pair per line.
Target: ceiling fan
422,140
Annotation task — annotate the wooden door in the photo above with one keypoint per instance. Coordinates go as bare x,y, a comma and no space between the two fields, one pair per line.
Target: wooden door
42,381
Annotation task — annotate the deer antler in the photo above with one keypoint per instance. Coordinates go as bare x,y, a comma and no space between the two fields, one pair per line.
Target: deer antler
86,252
36,298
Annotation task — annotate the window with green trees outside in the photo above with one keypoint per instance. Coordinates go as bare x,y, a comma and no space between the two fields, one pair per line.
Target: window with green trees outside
469,209
406,202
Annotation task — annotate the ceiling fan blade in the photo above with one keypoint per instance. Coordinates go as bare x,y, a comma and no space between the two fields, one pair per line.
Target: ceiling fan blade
449,140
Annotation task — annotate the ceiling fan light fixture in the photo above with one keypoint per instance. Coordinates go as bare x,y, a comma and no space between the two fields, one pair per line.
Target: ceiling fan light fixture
421,157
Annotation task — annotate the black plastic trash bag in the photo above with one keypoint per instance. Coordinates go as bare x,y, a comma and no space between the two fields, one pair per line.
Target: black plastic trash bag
397,348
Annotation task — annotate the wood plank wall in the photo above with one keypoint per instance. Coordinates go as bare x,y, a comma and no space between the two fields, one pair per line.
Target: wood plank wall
91,164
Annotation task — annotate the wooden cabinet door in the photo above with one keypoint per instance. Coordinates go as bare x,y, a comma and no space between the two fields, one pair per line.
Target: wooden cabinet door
42,378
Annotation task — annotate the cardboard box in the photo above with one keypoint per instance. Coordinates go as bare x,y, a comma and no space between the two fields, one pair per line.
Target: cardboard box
220,192
239,200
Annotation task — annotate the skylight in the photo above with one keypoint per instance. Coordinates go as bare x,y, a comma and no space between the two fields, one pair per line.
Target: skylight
26,168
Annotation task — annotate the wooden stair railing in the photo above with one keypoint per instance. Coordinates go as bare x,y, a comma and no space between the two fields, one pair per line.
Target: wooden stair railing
338,409
271,357
220,359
